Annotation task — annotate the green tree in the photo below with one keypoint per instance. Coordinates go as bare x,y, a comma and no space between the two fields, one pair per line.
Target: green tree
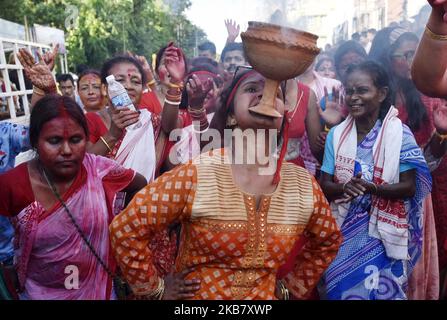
106,27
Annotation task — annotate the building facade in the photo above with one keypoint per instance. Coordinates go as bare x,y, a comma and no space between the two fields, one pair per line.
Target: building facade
337,20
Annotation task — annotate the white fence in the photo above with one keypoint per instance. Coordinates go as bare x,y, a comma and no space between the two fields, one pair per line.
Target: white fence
14,103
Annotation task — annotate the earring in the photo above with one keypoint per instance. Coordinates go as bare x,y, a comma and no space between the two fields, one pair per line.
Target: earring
231,121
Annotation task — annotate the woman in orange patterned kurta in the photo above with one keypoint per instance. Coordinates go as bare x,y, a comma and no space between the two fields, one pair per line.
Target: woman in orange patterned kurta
238,227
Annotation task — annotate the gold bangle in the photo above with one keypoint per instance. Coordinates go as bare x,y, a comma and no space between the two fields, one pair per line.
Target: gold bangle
175,86
152,82
197,112
105,142
38,91
443,137
172,103
284,291
435,36
158,293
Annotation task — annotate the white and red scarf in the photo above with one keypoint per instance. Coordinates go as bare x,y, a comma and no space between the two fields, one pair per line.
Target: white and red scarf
388,219
137,150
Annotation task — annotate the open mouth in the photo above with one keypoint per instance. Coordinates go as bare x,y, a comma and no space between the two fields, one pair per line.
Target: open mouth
356,107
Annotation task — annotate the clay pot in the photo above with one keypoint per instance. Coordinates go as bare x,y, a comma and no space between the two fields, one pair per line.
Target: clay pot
278,53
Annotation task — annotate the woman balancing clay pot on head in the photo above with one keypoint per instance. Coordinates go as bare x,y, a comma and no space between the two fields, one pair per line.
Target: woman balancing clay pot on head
377,179
65,194
239,221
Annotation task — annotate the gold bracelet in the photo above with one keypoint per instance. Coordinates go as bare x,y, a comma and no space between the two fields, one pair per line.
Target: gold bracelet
284,291
196,112
38,91
152,82
175,86
158,293
435,36
443,137
105,142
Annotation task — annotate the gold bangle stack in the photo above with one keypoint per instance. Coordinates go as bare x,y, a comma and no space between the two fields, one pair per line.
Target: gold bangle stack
435,36
38,91
105,143
196,113
199,115
158,293
175,86
284,291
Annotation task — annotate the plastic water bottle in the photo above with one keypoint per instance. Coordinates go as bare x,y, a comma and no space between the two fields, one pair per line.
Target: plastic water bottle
119,97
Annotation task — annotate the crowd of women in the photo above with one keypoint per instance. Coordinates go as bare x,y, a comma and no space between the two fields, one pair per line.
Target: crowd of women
115,204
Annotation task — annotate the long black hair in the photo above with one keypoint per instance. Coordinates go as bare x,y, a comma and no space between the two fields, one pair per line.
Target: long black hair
88,72
226,108
416,109
383,49
109,64
380,79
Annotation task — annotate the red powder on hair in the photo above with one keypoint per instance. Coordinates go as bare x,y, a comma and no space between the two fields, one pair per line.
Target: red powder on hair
65,116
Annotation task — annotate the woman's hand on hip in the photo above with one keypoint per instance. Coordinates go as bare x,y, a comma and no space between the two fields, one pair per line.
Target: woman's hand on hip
179,288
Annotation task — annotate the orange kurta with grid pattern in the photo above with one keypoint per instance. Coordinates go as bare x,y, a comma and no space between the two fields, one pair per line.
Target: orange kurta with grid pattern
232,246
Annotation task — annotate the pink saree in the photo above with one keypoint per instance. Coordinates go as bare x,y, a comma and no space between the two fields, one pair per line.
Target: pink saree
53,262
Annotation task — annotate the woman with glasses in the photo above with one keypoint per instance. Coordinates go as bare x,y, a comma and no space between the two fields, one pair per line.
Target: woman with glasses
427,118
240,219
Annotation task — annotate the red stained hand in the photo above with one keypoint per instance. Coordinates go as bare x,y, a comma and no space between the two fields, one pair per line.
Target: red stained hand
175,63
198,90
38,72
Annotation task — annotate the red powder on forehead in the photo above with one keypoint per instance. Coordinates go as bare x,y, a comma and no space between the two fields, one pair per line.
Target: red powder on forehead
90,78
131,71
65,116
